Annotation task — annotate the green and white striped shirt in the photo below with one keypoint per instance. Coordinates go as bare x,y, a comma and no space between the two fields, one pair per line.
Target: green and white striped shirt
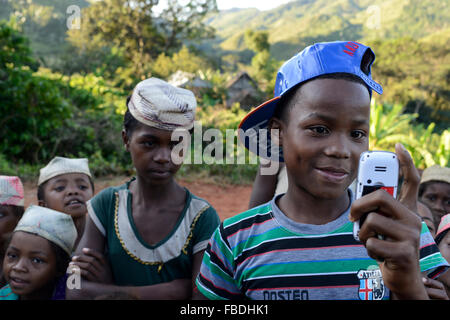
262,254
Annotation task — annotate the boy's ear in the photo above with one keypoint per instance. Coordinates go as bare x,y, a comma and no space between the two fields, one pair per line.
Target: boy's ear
125,139
276,127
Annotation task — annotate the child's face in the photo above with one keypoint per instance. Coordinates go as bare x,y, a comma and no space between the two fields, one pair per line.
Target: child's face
437,197
150,150
444,247
328,129
427,217
68,193
8,220
29,264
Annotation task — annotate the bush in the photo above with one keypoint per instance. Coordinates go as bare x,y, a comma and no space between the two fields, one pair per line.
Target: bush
26,172
45,114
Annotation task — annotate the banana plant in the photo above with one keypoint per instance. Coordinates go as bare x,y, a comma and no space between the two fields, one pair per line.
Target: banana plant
388,126
443,151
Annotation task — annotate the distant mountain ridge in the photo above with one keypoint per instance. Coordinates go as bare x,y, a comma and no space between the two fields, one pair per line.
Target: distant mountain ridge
294,25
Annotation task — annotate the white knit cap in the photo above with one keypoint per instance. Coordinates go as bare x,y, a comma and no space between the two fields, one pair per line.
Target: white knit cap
60,165
158,104
52,225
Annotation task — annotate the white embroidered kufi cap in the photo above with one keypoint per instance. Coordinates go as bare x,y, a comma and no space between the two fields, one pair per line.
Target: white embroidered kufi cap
52,225
158,104
60,165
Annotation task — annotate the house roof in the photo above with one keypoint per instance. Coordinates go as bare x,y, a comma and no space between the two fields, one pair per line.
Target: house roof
239,76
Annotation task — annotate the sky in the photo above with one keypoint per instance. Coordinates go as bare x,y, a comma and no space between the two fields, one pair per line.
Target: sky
259,4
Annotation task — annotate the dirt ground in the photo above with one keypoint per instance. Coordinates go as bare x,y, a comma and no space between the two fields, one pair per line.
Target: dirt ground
228,200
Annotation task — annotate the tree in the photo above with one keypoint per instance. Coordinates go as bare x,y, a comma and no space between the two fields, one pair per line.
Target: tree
389,125
183,60
16,52
263,65
44,23
257,40
133,27
184,20
416,74
31,107
44,114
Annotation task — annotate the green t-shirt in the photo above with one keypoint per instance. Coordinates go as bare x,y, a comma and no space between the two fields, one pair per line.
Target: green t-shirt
133,261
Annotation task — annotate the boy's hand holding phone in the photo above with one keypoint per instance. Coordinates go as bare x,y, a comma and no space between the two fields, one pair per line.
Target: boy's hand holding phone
376,170
398,251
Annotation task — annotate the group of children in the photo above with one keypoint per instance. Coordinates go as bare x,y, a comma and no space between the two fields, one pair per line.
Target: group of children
37,244
151,238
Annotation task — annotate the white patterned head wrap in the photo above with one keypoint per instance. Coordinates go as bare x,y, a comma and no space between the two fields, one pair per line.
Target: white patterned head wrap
158,104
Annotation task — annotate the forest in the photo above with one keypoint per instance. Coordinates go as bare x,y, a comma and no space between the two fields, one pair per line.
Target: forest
67,67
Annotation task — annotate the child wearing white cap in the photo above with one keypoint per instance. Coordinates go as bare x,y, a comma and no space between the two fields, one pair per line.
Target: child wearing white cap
155,231
38,255
434,191
65,185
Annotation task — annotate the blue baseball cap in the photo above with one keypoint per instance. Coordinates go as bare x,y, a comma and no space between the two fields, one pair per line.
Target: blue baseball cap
313,61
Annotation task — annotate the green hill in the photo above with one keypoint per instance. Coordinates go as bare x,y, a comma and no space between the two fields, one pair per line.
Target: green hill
299,23
411,39
291,26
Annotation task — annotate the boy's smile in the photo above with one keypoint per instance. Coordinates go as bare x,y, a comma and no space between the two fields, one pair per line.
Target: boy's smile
333,174
327,130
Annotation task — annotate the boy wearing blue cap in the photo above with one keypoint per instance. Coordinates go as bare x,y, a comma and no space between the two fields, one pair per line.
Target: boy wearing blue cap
300,245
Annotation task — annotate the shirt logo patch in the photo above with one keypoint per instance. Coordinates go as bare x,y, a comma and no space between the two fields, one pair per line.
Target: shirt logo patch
371,285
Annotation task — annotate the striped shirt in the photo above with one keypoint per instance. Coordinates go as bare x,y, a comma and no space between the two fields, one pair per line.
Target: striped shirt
262,254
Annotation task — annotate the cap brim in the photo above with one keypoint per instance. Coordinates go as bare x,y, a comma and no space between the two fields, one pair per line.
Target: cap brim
371,83
254,133
438,238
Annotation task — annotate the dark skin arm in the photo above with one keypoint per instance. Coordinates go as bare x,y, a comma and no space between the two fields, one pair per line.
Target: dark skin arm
398,253
96,274
174,290
263,188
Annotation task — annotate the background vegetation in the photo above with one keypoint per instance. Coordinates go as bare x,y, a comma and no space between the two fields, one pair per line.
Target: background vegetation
64,82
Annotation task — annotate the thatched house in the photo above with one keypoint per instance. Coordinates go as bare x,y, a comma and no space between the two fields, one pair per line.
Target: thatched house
242,89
